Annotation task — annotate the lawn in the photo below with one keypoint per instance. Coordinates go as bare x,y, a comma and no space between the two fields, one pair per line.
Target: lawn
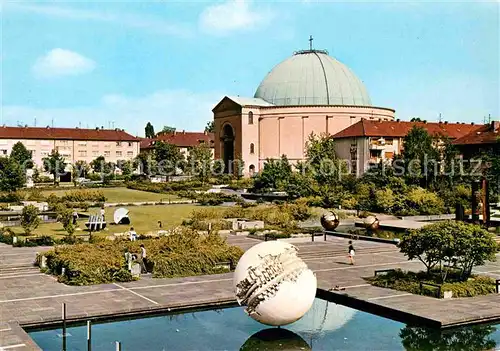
144,219
122,195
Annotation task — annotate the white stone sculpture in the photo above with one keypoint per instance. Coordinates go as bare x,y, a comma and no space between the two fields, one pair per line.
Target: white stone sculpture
274,284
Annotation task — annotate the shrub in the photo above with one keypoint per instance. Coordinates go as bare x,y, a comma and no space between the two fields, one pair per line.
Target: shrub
84,195
29,218
410,282
10,197
424,202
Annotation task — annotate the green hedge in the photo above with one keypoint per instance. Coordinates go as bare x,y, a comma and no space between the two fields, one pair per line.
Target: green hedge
410,282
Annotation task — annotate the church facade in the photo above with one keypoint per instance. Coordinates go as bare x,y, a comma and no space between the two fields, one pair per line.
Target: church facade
309,92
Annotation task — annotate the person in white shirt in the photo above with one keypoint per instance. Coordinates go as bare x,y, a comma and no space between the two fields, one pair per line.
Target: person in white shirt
144,258
132,234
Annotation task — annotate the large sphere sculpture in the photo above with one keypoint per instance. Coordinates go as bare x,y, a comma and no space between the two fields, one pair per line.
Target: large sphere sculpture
330,221
371,223
274,284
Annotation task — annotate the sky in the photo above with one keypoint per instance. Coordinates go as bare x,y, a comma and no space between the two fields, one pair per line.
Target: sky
122,64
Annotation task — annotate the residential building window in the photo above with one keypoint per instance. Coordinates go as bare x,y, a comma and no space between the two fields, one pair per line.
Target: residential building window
251,170
82,153
130,153
252,148
388,141
95,153
107,153
250,117
82,143
129,143
118,143
118,154
3,152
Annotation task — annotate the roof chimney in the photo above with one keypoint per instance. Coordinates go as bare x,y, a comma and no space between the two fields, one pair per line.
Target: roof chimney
495,125
183,131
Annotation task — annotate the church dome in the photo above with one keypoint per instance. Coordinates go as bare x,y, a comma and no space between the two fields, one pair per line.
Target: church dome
311,77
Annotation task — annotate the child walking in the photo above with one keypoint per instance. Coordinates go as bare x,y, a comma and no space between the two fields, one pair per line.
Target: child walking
352,252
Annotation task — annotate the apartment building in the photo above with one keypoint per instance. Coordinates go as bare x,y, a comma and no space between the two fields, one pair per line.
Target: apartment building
74,144
369,142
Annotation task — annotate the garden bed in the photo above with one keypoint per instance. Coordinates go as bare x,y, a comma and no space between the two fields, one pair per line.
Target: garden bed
431,284
187,253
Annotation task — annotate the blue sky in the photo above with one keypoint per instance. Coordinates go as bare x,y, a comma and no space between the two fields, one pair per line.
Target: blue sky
127,63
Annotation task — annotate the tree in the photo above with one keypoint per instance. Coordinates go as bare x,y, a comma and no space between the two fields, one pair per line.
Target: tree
149,131
419,155
210,127
427,244
21,155
322,159
416,119
168,130
30,219
467,245
11,175
125,166
168,157
200,162
65,217
275,175
80,169
54,164
146,164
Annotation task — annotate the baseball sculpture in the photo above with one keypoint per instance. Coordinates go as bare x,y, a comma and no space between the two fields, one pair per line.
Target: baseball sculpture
274,284
330,221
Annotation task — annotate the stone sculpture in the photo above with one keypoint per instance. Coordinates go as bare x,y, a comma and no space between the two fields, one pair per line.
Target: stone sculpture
274,284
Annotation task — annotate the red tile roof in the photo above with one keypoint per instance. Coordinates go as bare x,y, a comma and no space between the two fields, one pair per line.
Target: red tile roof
487,134
65,134
399,129
181,139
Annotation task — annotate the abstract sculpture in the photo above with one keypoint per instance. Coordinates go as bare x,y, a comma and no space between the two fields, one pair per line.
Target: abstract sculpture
274,284
276,339
121,216
330,221
371,223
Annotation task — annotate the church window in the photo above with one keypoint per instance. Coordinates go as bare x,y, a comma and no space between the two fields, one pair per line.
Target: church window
252,148
250,117
251,170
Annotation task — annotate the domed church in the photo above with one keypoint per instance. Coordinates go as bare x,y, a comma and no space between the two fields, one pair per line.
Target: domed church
309,92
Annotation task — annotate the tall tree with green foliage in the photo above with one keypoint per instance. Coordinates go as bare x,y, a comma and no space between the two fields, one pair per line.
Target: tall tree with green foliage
80,169
210,127
322,159
168,157
54,164
149,131
420,157
29,219
276,175
199,162
21,155
146,164
11,174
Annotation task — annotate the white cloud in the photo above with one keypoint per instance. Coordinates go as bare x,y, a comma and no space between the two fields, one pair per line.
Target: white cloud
60,62
140,22
233,15
178,108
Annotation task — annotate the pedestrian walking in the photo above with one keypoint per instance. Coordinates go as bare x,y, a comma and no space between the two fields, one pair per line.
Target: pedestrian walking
103,213
75,216
144,258
351,252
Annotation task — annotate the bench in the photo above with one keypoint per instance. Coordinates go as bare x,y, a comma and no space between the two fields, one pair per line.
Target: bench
438,286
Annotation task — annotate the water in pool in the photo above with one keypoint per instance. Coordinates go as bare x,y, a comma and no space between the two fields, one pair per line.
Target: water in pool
327,326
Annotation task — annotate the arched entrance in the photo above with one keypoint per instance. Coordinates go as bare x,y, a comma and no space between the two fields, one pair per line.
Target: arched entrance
227,141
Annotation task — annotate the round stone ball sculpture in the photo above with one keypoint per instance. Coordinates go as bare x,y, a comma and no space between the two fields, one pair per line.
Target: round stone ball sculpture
275,339
330,221
371,223
274,284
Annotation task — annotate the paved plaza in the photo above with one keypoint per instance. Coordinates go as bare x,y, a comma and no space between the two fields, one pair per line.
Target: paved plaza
29,298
